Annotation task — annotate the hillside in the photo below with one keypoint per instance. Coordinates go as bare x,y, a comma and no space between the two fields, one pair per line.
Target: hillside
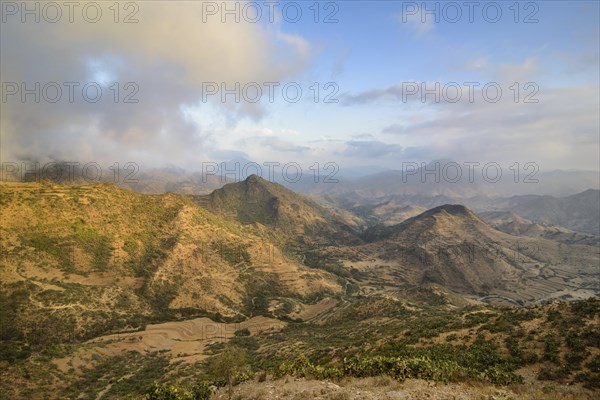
578,212
290,218
511,223
79,261
451,246
386,345
105,290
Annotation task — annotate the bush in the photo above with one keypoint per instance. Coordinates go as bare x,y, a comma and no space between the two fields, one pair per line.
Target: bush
11,350
400,368
242,332
230,366
452,337
499,376
594,364
156,391
518,356
586,308
201,391
551,349
558,374
164,392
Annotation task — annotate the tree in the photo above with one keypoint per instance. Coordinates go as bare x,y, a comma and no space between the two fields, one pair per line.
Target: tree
231,361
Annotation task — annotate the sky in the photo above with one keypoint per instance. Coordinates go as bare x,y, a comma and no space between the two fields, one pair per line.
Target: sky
183,83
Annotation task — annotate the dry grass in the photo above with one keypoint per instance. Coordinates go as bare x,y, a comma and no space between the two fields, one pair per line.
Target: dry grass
387,388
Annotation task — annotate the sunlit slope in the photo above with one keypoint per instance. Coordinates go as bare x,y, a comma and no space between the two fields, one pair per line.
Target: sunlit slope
290,218
81,260
450,246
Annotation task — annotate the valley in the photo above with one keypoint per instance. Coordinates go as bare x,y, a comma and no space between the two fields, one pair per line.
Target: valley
98,274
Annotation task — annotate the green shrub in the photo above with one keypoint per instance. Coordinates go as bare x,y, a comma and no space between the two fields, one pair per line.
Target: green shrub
551,349
452,337
499,376
164,392
156,391
586,308
11,350
201,391
594,364
402,367
518,356
242,332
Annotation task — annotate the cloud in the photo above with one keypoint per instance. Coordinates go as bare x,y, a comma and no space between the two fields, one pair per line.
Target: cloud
477,64
167,56
283,145
414,21
370,149
390,93
504,74
395,129
522,73
562,128
363,136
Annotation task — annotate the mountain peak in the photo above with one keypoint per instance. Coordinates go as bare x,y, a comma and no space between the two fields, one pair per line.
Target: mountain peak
452,209
429,220
289,214
254,179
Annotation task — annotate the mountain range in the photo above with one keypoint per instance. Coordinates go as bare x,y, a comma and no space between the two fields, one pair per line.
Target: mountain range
85,263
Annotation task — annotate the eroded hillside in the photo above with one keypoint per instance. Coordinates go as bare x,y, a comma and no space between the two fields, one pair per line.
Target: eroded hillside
81,261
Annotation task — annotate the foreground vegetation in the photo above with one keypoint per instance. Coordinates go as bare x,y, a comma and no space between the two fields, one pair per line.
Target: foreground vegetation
500,350
556,345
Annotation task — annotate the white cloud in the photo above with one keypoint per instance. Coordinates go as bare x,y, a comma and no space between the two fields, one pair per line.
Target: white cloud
415,22
168,55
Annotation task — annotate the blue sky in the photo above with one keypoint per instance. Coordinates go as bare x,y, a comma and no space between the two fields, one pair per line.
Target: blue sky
370,56
371,48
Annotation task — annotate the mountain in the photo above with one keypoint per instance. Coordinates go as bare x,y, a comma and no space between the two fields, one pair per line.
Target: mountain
392,214
129,175
511,223
79,261
462,180
174,180
578,212
452,247
430,221
106,292
447,245
288,216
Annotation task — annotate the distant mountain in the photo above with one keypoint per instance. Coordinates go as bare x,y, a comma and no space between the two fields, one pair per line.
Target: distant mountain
460,180
391,214
451,246
174,180
359,172
170,178
513,224
579,212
